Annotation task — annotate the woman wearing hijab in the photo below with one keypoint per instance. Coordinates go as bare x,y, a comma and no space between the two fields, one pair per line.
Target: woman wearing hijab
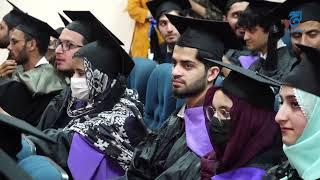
106,117
299,120
241,127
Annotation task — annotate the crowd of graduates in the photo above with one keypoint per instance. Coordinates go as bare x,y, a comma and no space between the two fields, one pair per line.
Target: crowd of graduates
211,89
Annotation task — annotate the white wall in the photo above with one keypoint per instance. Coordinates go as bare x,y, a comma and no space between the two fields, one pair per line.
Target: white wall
112,13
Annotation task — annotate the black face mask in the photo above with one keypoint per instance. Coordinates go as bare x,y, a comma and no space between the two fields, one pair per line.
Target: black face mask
219,130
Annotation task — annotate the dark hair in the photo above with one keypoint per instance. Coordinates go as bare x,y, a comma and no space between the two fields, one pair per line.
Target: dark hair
42,44
84,41
251,18
229,3
207,64
180,13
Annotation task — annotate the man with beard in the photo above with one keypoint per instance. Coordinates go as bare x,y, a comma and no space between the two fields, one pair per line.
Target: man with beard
243,57
76,34
304,18
170,34
232,11
9,21
37,80
174,151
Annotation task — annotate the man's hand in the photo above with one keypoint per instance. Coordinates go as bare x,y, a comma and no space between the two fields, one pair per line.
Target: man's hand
7,67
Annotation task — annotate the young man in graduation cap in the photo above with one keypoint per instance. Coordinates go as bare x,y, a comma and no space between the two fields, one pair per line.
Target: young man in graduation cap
77,33
170,34
304,22
174,151
9,21
36,83
104,114
263,30
232,12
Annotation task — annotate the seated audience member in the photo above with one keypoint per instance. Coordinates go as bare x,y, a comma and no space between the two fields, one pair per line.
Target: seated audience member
9,21
232,12
263,32
76,34
28,44
174,150
299,120
304,18
241,127
170,34
105,114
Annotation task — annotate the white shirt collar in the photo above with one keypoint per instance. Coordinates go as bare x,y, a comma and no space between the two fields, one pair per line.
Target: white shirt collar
43,60
181,112
280,44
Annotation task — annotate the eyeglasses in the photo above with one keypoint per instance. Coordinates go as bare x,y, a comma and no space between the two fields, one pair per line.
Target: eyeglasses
66,45
211,112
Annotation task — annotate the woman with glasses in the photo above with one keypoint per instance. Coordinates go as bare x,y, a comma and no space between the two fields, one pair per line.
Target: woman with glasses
240,122
299,120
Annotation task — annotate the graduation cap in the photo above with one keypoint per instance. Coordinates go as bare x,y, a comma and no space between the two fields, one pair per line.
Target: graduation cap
263,6
224,5
160,7
229,3
106,53
306,75
13,18
299,10
37,29
9,169
211,37
64,20
59,30
85,23
23,127
248,85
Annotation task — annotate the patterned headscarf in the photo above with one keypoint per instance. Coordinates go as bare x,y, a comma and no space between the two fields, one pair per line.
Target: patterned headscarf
116,131
112,119
100,86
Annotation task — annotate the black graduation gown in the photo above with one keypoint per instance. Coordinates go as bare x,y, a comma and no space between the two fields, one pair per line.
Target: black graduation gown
165,155
285,63
233,55
55,116
283,170
17,101
58,152
162,55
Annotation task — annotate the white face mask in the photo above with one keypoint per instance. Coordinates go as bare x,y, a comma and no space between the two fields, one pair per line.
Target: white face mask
79,88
